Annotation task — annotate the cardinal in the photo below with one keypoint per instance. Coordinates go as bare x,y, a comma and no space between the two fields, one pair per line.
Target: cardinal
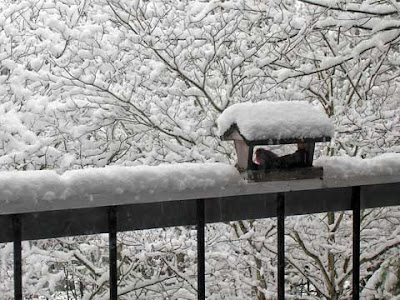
265,159
294,160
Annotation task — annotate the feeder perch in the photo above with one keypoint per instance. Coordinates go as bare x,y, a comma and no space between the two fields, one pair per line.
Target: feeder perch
265,123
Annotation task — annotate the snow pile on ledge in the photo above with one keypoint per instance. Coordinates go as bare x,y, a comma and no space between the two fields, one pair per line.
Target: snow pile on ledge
29,191
276,120
346,167
87,184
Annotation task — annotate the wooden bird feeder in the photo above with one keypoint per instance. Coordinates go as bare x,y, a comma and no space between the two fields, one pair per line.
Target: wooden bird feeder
300,124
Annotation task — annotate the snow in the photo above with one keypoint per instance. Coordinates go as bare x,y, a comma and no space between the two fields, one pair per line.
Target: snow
346,167
43,189
365,7
276,120
25,191
329,62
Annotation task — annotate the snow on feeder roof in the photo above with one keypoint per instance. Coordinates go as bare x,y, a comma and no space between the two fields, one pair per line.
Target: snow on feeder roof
270,123
275,122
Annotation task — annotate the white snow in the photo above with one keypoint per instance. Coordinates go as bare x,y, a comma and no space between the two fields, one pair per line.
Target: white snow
276,120
346,167
27,191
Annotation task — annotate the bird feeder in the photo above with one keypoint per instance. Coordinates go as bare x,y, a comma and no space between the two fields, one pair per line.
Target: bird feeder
262,124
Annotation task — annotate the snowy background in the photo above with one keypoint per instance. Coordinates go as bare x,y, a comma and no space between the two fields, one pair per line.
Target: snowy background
95,91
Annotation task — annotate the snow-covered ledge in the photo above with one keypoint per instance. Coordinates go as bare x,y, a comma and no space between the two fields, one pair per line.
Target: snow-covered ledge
34,191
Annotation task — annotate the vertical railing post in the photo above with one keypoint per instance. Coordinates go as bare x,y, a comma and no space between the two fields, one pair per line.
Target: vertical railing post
355,199
201,278
112,244
281,245
16,223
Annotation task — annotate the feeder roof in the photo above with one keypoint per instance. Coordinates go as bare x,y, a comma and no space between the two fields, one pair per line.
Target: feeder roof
279,120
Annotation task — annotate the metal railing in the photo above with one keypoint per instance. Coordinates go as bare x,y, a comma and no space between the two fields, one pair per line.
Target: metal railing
91,220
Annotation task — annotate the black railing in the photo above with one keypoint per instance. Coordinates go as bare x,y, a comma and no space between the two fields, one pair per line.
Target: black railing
16,224
28,226
201,259
355,203
281,245
112,244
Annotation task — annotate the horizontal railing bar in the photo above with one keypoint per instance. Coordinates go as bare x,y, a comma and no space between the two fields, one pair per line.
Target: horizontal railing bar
84,221
22,203
379,195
